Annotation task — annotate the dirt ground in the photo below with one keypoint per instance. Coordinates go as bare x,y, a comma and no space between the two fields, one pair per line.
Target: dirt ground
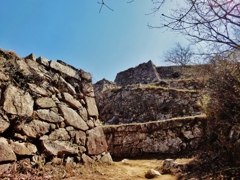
122,170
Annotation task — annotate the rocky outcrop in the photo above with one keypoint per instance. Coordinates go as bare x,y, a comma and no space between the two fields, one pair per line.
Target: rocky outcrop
47,108
161,137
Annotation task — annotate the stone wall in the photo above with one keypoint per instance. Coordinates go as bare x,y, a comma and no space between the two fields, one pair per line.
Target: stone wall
47,109
161,137
144,103
144,73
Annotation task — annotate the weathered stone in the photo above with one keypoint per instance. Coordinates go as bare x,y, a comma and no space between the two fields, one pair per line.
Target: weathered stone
65,70
91,107
4,123
72,118
45,102
85,75
49,116
24,68
4,77
106,158
43,61
31,56
59,134
87,89
34,129
152,174
58,148
38,90
87,160
23,148
38,69
72,101
5,168
63,85
6,152
17,101
79,137
96,142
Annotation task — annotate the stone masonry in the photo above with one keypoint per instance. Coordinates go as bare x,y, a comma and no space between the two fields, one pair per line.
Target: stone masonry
160,137
47,109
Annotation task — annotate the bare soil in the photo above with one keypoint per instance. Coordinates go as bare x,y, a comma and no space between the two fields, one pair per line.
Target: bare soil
123,170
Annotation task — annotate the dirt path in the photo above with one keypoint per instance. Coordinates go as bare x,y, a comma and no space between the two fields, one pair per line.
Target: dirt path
122,170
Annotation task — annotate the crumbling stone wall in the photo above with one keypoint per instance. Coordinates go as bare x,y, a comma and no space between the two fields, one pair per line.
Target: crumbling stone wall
161,137
144,103
144,73
47,109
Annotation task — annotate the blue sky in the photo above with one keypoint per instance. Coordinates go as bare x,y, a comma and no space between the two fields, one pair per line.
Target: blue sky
75,32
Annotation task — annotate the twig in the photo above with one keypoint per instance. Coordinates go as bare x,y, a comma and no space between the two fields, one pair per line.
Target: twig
103,4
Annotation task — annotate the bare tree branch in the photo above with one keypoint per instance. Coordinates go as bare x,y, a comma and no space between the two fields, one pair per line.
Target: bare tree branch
104,4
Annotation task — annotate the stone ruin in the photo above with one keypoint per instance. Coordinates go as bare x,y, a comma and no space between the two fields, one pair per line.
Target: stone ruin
48,109
149,93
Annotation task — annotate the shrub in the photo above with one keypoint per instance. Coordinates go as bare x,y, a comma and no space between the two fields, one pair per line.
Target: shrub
223,107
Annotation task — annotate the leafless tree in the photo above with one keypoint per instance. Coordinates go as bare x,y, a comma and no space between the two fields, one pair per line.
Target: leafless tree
179,55
215,22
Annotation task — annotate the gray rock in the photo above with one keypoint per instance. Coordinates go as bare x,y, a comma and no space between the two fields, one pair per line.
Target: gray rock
96,142
17,101
72,118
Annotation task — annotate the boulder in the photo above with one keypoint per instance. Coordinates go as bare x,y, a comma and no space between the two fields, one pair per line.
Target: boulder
23,148
6,152
72,118
17,101
96,141
58,148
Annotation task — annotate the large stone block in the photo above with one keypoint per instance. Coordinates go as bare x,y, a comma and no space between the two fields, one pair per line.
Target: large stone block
65,70
17,101
96,142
